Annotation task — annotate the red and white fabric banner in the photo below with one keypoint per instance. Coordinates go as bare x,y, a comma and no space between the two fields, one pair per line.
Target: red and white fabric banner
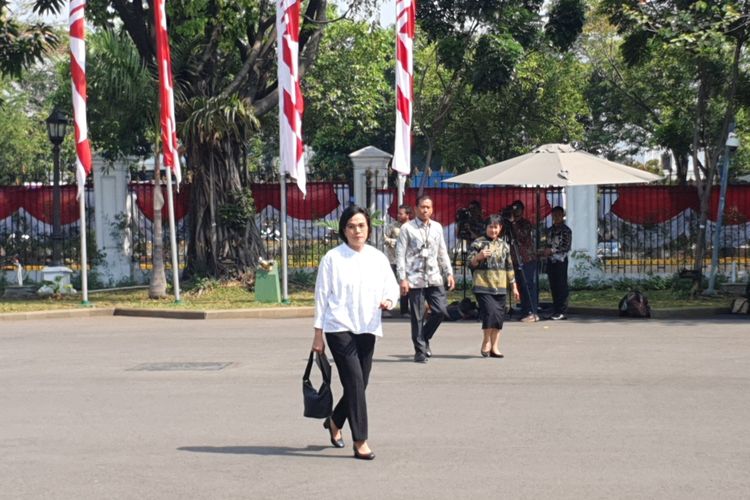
166,94
291,104
76,23
405,25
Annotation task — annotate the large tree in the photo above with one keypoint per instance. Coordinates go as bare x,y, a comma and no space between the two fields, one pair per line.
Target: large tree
224,63
709,39
472,52
636,107
349,96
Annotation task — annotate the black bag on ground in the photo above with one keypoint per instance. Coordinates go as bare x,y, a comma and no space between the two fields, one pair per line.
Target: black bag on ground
318,402
465,309
635,305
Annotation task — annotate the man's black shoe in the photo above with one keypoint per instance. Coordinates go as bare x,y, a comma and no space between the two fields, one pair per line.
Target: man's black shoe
428,352
420,358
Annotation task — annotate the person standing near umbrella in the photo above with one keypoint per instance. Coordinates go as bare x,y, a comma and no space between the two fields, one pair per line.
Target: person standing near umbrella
492,273
525,261
421,261
559,239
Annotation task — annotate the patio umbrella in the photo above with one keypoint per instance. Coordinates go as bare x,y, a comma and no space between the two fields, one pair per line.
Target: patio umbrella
556,165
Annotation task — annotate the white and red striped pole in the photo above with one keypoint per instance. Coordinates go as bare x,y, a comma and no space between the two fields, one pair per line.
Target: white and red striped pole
291,108
77,27
291,104
405,26
168,131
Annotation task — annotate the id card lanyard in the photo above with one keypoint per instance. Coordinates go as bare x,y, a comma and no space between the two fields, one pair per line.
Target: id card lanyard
425,252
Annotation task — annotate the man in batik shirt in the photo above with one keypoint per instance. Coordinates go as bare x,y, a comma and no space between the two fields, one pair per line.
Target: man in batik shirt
421,262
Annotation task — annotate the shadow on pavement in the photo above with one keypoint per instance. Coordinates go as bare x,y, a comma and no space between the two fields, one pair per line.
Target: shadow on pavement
284,451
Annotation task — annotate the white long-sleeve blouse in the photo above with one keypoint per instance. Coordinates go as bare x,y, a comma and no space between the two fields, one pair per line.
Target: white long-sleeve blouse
349,289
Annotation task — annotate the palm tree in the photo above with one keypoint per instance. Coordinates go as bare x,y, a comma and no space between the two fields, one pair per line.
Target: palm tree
119,76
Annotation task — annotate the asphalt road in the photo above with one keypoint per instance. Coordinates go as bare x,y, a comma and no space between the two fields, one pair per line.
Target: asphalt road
121,408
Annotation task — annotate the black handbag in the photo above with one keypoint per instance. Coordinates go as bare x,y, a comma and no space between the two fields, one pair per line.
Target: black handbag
318,402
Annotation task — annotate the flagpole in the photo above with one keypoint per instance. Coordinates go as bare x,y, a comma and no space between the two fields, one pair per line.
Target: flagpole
404,90
284,260
84,256
173,237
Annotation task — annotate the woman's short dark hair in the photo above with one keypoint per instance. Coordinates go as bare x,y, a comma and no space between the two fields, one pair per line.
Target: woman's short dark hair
494,219
348,213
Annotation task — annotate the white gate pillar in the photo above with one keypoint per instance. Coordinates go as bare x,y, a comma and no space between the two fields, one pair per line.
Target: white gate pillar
581,217
372,162
111,213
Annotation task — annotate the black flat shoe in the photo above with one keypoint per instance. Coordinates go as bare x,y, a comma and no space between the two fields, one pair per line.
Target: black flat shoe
366,456
498,355
337,443
485,354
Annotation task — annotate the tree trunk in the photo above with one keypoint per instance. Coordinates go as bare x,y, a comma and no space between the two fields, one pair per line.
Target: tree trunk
225,241
158,285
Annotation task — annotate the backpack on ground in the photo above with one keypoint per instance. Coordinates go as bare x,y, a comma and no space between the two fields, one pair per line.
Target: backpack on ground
465,309
635,305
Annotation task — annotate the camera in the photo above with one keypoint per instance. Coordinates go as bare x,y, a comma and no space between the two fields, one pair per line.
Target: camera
463,224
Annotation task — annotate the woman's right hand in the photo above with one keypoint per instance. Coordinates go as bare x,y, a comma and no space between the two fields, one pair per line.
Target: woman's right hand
318,344
483,254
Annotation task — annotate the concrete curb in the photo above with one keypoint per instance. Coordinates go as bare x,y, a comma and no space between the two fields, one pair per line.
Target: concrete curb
264,312
58,313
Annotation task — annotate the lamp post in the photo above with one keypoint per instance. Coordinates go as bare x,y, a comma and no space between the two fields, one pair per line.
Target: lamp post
56,125
733,142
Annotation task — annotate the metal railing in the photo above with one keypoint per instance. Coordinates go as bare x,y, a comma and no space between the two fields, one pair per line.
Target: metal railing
653,229
642,230
26,226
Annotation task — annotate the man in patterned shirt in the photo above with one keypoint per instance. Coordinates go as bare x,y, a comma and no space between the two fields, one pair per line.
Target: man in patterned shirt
559,239
390,238
421,261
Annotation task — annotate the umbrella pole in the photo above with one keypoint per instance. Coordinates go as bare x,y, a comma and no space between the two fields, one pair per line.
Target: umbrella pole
535,301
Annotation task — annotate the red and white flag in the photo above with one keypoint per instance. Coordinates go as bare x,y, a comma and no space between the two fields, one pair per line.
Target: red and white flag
405,24
76,23
291,105
166,94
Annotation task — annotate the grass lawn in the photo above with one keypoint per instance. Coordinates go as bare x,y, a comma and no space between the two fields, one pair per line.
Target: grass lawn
234,296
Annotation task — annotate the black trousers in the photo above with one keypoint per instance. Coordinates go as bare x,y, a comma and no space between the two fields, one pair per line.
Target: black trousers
353,357
423,330
526,276
558,284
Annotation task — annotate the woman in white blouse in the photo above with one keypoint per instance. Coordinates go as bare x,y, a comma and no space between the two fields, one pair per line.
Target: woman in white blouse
354,284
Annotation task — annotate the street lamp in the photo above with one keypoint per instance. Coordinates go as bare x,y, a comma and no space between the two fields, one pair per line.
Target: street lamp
730,147
56,125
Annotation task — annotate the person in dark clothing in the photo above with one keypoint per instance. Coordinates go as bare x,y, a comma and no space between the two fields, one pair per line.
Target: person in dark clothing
525,263
559,239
